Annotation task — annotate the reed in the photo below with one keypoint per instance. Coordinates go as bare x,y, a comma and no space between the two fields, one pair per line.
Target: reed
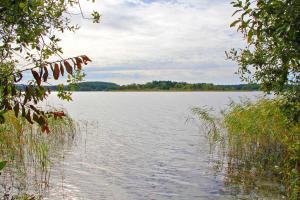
262,148
28,153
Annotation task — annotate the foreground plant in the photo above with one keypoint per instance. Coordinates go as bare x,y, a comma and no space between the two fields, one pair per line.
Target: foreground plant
29,42
30,154
271,56
262,137
262,145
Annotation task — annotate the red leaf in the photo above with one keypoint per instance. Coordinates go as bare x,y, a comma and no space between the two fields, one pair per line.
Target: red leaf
59,114
68,67
78,63
46,129
36,77
85,59
56,71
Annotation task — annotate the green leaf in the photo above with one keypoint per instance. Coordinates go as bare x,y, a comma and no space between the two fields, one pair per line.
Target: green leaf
22,5
234,23
236,12
250,34
2,164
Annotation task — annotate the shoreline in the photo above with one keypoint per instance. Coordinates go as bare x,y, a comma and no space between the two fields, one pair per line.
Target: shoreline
167,91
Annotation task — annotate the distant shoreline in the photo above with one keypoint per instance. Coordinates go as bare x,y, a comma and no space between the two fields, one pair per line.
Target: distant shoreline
158,86
164,86
167,91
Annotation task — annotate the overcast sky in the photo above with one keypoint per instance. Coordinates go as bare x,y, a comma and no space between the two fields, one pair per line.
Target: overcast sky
144,40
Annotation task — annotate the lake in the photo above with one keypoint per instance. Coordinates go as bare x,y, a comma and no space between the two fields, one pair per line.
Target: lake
139,145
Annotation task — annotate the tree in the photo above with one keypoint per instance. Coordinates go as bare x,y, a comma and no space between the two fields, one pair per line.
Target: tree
29,42
272,54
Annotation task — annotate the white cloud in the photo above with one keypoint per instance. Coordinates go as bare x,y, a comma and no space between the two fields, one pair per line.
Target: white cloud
166,39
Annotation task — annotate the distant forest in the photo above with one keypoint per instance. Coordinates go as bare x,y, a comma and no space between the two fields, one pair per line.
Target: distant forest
163,86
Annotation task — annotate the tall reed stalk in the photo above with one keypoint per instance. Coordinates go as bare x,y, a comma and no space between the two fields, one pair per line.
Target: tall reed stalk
28,153
262,148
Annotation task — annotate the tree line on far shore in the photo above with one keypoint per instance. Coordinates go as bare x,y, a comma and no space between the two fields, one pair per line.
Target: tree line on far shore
161,86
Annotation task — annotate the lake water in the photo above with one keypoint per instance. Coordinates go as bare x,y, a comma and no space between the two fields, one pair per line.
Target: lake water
139,145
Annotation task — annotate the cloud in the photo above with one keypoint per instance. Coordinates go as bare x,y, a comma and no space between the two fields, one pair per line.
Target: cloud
141,40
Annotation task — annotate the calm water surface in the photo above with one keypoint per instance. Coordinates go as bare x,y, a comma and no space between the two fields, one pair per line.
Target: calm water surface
139,145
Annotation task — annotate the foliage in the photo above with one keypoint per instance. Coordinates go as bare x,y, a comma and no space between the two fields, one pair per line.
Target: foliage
263,138
260,136
29,39
272,54
262,145
96,86
156,86
2,164
164,85
209,122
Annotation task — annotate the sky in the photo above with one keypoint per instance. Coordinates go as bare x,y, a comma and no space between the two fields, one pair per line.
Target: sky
138,41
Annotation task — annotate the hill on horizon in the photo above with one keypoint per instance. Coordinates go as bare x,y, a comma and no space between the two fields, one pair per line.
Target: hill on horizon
96,86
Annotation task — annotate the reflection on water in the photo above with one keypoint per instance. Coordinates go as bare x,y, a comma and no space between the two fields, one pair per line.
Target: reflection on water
139,145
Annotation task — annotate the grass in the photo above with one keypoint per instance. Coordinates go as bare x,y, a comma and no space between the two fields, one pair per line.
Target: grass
262,147
28,151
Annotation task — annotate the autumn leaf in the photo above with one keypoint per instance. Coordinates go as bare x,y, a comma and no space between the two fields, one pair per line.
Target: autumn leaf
68,67
46,129
36,77
85,59
78,62
56,71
